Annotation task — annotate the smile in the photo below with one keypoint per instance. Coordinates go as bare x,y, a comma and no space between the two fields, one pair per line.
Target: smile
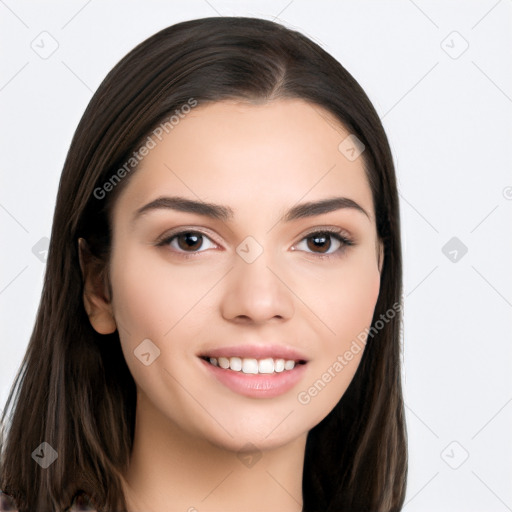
253,366
262,378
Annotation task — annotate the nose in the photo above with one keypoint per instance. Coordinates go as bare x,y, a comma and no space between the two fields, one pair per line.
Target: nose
257,292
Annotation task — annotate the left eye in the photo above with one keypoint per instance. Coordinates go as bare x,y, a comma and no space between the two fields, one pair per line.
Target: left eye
187,241
322,240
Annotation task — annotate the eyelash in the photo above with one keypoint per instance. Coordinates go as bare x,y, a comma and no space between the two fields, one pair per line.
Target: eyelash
344,240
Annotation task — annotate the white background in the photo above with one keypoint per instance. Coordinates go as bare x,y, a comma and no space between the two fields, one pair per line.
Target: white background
449,121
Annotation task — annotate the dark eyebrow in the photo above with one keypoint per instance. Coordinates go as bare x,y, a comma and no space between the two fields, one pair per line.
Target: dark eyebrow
183,204
225,213
313,208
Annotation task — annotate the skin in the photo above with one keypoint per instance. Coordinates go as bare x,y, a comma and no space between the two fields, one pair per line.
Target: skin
260,160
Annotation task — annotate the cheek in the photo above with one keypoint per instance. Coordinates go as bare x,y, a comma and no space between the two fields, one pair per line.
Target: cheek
137,297
153,300
150,297
148,302
357,299
350,296
345,299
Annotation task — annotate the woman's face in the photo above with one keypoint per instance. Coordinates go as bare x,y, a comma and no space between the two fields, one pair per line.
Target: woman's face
248,282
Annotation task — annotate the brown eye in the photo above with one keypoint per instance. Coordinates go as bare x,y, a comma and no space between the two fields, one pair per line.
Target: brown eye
326,243
321,241
187,241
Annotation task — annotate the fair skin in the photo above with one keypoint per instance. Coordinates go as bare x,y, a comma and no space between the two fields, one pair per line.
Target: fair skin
260,160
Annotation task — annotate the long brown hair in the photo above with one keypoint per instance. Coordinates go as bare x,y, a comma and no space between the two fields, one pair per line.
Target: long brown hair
74,390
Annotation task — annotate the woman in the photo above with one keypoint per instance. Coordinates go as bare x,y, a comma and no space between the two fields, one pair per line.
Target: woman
219,327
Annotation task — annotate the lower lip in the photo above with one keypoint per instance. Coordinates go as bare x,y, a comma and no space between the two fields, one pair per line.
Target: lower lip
266,385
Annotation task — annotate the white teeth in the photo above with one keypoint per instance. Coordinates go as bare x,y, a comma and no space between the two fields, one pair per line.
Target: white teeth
235,363
279,365
289,365
254,366
266,365
224,362
250,365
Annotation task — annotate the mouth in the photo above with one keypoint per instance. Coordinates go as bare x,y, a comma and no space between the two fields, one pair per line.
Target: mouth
255,371
253,366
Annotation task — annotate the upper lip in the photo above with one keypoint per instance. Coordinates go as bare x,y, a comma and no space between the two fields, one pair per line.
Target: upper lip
256,352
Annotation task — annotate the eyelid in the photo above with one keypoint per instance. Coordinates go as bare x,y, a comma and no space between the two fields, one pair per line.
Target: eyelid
329,229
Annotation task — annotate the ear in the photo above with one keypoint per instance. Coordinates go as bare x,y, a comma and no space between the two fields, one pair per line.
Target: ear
96,300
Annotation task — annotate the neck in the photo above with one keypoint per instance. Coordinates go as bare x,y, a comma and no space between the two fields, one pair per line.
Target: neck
170,467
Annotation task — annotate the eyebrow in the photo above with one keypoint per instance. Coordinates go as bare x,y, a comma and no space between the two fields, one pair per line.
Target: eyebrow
225,213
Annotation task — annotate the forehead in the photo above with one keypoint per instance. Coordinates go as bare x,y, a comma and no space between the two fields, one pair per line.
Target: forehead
238,153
